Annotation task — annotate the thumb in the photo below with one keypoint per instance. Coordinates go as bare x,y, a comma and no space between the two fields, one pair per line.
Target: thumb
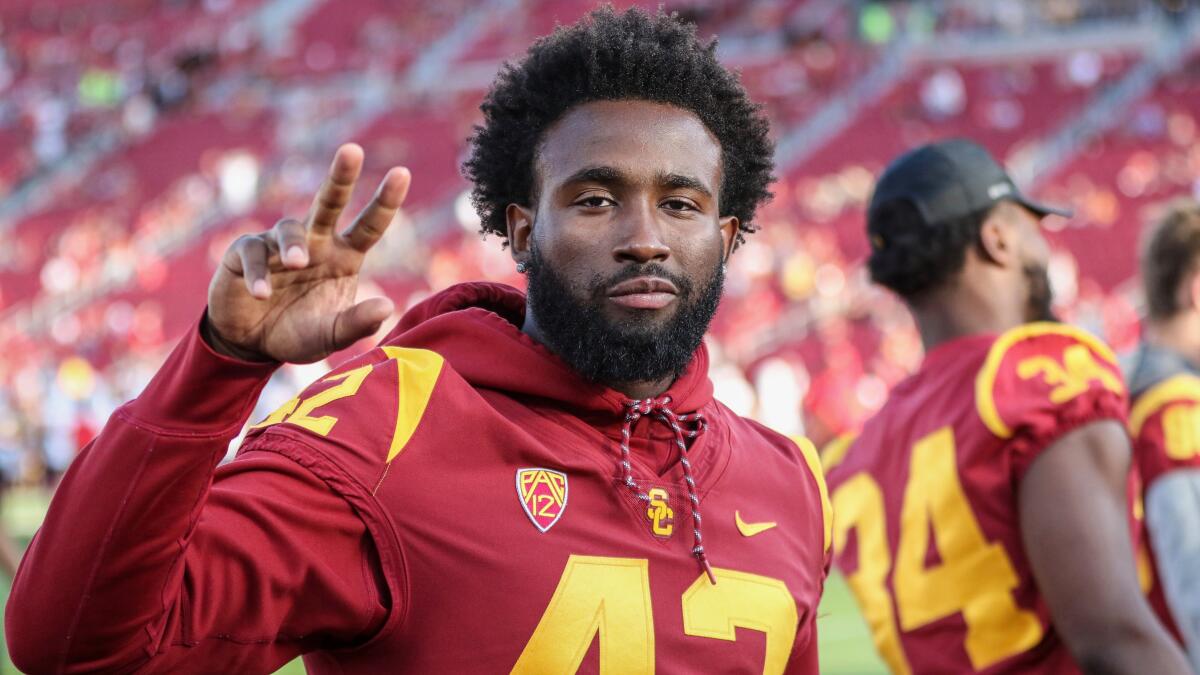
360,321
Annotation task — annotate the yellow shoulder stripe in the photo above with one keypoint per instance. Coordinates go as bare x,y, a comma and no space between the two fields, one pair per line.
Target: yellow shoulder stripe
1181,387
985,381
814,465
419,370
835,451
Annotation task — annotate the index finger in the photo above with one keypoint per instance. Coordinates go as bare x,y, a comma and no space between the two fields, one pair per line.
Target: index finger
336,190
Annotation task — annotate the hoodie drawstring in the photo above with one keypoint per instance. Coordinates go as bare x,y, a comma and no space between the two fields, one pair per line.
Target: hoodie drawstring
660,410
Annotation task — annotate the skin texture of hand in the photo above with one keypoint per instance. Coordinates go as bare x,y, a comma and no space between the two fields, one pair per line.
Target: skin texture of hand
288,294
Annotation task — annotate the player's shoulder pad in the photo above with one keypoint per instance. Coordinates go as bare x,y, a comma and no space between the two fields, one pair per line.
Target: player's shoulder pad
813,460
373,401
1181,389
1040,365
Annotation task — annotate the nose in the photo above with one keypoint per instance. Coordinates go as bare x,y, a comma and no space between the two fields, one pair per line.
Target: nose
641,239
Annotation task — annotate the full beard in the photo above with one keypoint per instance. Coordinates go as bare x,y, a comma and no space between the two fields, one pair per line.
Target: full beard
1040,306
631,350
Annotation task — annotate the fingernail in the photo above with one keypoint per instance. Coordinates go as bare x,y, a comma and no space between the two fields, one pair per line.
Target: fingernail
295,255
262,289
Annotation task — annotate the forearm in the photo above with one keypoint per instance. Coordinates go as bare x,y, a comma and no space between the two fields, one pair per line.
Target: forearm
1173,518
93,587
1076,534
1128,650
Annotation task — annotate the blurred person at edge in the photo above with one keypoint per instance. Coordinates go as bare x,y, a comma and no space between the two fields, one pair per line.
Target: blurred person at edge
1005,452
1164,419
409,511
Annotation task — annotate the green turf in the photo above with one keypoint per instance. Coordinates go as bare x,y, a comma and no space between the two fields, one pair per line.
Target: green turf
845,645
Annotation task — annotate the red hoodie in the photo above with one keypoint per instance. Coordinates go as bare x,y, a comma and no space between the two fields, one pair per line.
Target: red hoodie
453,501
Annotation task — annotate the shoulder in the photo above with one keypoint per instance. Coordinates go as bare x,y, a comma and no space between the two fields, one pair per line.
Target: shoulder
365,411
835,451
1165,426
1180,391
799,451
813,461
1037,368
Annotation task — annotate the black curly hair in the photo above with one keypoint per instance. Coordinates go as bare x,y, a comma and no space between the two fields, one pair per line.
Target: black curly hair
913,257
608,56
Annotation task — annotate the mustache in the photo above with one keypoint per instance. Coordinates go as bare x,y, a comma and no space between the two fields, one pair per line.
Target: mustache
599,286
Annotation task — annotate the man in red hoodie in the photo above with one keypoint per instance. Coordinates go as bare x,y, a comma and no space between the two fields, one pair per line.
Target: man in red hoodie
504,484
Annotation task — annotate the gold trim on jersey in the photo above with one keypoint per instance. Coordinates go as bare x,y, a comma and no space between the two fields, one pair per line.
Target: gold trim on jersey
814,465
1182,387
835,451
985,381
417,376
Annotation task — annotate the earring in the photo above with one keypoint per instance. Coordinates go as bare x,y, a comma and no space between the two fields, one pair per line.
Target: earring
522,268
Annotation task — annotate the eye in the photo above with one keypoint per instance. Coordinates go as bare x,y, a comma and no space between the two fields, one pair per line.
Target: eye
677,204
595,201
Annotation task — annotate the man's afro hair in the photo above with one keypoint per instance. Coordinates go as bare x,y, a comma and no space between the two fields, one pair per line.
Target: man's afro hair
605,57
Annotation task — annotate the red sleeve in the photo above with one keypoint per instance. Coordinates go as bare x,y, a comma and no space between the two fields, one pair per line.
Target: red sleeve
1040,382
1165,425
144,561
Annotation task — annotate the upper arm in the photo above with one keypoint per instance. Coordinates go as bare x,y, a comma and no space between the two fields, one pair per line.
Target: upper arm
1040,382
1075,530
279,564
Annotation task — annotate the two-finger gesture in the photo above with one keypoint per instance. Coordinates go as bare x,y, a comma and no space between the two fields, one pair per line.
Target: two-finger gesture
288,294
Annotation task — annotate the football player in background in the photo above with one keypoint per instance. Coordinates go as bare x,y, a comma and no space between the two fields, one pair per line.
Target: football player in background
1164,385
505,483
982,516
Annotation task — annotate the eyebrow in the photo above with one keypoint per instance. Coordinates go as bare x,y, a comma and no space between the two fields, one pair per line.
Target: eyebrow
680,181
612,176
597,174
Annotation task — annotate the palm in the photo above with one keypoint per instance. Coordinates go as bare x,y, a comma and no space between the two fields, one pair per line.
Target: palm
309,310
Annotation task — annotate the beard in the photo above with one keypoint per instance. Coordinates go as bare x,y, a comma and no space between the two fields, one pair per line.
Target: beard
1041,298
609,352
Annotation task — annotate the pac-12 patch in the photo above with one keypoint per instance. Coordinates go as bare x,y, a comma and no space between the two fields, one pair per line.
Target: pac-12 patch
543,494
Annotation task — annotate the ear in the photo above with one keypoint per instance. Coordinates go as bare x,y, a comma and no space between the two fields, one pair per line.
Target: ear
1194,291
520,230
998,241
729,228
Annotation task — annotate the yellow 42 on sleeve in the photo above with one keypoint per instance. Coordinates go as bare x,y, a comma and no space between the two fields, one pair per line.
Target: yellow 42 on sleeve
975,577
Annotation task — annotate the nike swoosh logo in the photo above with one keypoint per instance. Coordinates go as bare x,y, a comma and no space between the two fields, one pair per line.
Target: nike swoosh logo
751,529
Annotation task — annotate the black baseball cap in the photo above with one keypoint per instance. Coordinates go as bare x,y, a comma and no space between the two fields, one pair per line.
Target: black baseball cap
946,180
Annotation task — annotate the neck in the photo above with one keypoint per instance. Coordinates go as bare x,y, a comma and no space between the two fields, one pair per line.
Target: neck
1179,333
635,390
964,308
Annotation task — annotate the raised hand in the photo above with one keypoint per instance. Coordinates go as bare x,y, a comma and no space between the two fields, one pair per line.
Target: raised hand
288,294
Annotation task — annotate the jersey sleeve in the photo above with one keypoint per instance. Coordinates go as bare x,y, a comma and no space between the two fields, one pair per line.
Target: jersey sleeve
151,558
1041,381
364,412
1165,425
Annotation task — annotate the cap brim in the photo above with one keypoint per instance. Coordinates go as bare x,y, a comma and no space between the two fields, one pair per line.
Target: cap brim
1043,210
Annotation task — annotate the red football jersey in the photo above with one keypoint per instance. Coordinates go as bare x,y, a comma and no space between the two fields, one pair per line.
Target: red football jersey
1164,422
453,501
926,526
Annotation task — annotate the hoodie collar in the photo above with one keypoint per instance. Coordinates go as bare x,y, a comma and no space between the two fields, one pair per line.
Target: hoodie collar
476,328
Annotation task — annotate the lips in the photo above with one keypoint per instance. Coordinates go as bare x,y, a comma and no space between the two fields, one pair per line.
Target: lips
644,293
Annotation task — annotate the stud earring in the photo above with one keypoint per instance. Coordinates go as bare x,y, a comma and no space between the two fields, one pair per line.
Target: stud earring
522,268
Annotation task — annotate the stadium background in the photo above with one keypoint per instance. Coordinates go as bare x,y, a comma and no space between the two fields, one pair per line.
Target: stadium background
139,137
